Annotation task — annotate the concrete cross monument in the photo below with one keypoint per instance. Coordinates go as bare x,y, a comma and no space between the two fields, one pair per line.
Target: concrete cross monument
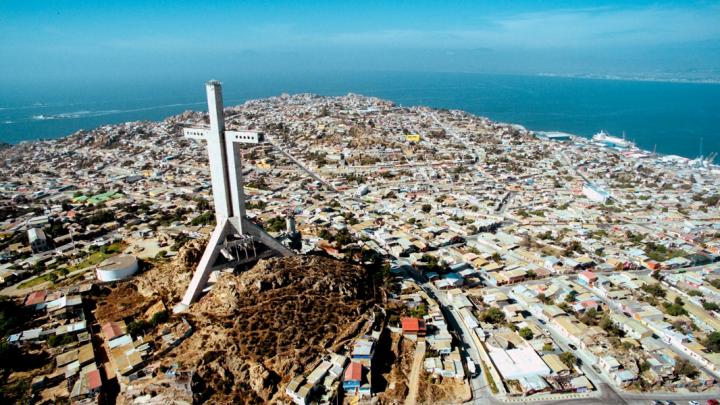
232,230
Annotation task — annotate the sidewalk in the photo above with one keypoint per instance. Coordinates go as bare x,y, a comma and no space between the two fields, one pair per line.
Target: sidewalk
550,397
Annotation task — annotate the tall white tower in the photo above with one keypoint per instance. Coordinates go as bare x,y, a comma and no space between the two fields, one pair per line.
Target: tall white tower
232,229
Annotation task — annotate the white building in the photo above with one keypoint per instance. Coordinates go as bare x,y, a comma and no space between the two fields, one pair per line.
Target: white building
595,193
520,362
38,240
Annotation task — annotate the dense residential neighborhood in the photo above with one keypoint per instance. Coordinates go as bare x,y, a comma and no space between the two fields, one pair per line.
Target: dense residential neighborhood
512,265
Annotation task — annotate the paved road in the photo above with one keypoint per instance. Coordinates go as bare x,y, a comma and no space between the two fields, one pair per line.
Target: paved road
302,166
480,389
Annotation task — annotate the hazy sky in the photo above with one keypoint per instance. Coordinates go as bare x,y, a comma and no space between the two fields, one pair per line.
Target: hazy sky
50,40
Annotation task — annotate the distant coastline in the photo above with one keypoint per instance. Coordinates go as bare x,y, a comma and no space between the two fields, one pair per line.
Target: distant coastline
633,78
655,114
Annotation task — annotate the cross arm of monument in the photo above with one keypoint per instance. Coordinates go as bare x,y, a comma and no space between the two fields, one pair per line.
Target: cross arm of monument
225,157
253,137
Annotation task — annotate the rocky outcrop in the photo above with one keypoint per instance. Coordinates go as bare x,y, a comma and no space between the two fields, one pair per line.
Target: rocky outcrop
257,330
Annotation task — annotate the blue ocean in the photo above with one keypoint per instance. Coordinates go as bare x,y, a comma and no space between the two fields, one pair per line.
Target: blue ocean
674,118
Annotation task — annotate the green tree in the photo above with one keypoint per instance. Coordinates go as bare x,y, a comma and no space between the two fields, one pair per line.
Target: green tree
343,237
675,309
544,299
685,368
426,208
588,318
419,311
432,263
712,342
492,315
568,359
325,234
605,323
526,333
571,296
654,290
137,327
159,317
205,218
56,341
275,224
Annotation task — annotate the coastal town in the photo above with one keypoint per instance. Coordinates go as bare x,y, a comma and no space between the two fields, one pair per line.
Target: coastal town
448,259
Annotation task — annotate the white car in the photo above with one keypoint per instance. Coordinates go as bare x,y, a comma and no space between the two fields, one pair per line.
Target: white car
693,402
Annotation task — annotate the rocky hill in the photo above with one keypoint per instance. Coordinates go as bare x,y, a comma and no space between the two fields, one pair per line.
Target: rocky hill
258,329
255,330
163,281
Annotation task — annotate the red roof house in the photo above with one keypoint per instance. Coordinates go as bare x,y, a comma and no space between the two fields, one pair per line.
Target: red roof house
413,326
36,297
652,265
111,330
353,372
587,277
93,380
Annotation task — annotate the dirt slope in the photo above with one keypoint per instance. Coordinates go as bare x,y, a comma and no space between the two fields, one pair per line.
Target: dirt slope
165,281
255,330
258,329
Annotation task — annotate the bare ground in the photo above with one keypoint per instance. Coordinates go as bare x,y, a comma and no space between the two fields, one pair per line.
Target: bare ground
437,390
402,351
256,330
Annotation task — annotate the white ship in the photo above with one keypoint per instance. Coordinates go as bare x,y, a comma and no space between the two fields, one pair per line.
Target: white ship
613,141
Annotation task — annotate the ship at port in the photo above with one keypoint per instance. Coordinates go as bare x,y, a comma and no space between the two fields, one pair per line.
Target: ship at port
608,140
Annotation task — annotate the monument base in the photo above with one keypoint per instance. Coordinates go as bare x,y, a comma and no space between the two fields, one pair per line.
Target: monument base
220,240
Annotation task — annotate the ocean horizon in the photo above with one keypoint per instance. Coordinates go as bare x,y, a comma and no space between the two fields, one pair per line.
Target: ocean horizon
671,117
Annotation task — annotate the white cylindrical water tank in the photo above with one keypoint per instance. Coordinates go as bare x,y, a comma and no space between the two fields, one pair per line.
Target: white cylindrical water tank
117,268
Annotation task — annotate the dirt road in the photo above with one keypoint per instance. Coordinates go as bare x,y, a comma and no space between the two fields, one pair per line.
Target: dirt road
415,373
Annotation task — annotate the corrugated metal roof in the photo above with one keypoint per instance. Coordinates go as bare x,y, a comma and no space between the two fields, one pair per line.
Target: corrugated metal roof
353,372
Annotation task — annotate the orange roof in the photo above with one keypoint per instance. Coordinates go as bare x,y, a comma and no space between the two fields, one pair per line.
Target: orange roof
589,304
413,325
93,379
111,330
589,275
353,372
36,297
